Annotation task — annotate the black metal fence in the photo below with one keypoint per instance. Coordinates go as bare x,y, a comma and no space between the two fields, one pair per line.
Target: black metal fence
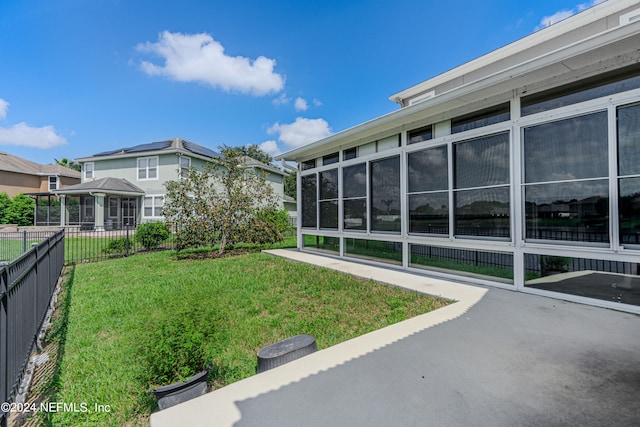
26,286
80,245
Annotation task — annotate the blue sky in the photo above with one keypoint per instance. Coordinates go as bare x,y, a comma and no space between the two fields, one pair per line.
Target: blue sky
78,77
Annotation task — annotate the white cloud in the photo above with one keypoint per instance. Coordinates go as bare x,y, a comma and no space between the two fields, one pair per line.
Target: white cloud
281,100
316,102
270,147
199,58
4,106
302,131
301,104
26,136
565,13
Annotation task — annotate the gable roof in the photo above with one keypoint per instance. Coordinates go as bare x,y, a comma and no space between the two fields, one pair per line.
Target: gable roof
11,163
176,145
103,185
253,163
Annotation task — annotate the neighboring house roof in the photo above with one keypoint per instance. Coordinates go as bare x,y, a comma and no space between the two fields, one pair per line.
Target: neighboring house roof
104,185
253,163
11,163
175,145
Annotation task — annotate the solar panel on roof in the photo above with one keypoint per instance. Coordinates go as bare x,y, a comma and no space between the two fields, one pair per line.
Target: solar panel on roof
106,153
199,149
152,146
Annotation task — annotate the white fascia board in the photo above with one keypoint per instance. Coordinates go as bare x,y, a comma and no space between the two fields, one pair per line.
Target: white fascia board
506,80
565,26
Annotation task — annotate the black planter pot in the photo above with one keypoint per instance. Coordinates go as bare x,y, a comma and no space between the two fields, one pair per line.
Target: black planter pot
172,394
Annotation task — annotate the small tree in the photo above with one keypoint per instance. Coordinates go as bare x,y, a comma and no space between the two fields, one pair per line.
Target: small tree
20,211
219,205
5,201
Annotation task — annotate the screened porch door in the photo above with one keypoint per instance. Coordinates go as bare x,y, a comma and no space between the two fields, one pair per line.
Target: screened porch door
129,205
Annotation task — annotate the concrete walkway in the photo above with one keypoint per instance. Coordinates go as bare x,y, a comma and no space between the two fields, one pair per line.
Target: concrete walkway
494,358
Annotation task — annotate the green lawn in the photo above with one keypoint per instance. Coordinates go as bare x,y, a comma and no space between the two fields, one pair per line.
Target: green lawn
12,249
125,314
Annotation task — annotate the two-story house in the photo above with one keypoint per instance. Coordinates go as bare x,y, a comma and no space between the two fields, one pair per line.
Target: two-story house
38,181
126,187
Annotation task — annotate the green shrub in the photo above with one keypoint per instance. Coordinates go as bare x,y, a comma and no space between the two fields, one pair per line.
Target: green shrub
176,346
269,226
152,234
118,246
20,211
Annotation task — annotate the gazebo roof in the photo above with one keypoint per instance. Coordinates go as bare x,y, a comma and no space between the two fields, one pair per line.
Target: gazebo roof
118,186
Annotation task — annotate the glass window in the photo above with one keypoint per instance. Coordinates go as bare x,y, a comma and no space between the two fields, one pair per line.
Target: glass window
375,250
113,207
419,135
629,140
351,153
428,175
629,205
569,149
354,185
321,243
429,213
428,170
563,201
309,164
153,206
185,165
385,194
53,183
88,170
481,162
608,280
354,181
482,199
147,168
574,211
489,116
330,158
309,201
329,199
584,90
495,266
483,212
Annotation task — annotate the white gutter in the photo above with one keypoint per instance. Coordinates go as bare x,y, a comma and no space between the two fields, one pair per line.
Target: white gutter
572,23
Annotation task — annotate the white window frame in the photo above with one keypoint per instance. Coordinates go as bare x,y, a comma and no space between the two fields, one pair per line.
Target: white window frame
146,168
117,207
184,170
57,182
89,170
154,206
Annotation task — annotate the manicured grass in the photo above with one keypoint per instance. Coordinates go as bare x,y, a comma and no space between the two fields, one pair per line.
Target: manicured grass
234,306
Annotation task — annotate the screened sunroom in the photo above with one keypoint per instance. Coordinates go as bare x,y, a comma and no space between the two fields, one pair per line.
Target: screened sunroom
520,169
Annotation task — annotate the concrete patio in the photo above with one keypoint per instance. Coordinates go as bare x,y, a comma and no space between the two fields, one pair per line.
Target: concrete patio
495,357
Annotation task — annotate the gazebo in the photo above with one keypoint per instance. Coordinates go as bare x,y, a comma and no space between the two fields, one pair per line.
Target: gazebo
102,204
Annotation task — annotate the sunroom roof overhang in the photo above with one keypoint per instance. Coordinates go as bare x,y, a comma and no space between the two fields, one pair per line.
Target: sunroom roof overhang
609,50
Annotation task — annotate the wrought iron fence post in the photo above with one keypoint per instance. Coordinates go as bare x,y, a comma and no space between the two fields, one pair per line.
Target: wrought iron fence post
127,243
4,341
24,241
